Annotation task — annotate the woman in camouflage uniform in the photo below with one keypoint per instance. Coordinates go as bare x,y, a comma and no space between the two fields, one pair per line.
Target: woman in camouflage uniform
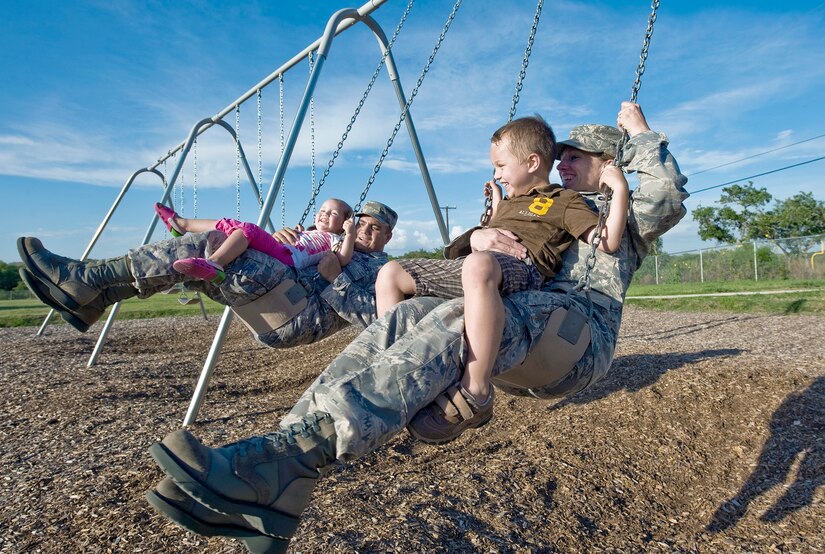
256,489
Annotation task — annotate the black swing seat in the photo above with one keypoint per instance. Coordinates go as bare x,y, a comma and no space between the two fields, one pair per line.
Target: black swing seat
274,309
563,343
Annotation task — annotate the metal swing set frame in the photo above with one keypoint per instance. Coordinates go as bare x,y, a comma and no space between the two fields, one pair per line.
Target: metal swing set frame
339,22
566,339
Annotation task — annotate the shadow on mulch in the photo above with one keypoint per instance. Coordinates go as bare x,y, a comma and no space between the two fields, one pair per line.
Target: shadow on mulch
638,371
796,428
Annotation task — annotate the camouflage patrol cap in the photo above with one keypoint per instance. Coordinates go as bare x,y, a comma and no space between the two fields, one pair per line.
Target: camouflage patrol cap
596,139
381,212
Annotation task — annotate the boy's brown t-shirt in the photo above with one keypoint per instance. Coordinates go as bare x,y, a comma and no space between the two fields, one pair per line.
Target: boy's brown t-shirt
547,220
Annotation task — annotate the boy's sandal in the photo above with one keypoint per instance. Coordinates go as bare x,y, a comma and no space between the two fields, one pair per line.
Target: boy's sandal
167,215
449,415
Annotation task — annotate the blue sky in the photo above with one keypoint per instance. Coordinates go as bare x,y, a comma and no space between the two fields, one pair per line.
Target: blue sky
95,90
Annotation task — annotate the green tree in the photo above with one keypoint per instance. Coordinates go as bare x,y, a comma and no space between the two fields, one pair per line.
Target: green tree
740,217
435,253
798,216
9,277
744,215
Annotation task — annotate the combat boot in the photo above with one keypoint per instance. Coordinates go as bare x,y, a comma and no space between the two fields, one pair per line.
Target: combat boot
268,480
188,513
72,283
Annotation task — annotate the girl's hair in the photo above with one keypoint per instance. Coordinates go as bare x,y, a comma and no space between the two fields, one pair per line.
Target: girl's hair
346,207
529,135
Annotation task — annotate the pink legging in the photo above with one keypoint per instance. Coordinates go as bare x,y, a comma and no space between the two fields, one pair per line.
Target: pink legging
259,239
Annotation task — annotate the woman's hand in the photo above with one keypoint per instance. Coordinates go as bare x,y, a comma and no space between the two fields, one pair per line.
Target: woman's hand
498,240
612,178
631,119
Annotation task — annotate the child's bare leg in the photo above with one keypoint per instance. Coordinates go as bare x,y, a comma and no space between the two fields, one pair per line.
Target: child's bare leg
392,286
234,245
194,225
483,321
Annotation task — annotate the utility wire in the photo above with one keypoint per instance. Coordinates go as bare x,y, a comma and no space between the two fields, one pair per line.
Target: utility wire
758,175
753,156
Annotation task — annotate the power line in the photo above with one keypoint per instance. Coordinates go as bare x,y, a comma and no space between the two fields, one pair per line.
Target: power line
758,175
753,156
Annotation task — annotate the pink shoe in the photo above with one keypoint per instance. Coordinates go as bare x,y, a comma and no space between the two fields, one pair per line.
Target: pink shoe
200,268
167,215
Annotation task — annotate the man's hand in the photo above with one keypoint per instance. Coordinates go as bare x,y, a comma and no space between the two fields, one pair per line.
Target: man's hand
329,267
287,235
499,240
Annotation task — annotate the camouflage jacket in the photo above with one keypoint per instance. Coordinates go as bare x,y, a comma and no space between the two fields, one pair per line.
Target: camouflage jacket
349,299
655,206
330,306
402,361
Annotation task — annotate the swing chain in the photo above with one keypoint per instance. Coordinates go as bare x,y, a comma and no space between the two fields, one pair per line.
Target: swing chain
637,83
238,161
590,262
281,127
405,111
523,72
488,201
312,134
488,211
195,179
361,102
260,153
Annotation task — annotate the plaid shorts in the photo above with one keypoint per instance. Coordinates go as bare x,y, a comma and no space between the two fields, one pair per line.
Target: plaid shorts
442,278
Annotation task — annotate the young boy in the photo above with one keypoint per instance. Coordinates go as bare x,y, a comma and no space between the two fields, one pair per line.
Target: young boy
546,218
333,218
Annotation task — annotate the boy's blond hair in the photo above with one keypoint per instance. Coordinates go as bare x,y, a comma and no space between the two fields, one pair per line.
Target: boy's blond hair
529,135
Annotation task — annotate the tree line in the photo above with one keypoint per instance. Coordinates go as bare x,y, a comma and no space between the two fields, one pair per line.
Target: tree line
9,278
743,213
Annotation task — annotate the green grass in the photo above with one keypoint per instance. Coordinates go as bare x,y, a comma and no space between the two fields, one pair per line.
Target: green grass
811,301
19,313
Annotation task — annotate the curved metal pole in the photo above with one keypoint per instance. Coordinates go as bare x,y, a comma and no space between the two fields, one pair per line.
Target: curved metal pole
365,9
196,130
274,188
416,145
323,50
105,222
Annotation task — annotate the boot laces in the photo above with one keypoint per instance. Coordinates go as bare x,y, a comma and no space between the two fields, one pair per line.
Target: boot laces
286,436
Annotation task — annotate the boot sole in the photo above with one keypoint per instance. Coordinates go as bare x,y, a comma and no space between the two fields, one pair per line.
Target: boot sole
38,289
66,302
256,543
267,521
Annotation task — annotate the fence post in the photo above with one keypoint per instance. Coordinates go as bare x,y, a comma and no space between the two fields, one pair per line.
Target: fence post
656,259
755,271
701,267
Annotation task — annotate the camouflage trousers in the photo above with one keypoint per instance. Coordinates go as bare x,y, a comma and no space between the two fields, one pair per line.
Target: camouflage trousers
249,277
401,362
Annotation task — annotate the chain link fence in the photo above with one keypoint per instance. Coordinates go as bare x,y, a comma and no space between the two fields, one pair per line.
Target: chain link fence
792,258
18,294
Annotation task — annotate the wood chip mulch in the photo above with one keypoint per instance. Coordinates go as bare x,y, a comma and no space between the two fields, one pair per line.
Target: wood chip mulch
708,435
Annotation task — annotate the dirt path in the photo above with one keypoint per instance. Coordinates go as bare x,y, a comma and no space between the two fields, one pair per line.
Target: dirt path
706,436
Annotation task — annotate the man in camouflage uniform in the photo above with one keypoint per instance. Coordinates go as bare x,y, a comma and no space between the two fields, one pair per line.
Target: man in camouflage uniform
256,489
336,297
